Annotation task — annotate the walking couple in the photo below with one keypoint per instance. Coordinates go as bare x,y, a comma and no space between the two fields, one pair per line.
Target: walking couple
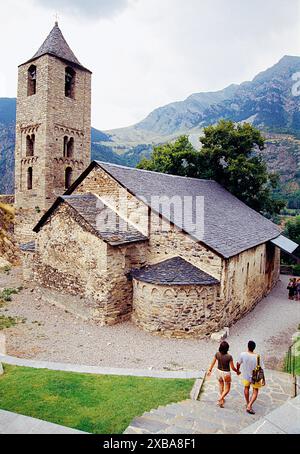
253,375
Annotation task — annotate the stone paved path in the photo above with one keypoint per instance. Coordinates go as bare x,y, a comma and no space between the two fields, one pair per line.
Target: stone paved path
205,417
283,420
12,423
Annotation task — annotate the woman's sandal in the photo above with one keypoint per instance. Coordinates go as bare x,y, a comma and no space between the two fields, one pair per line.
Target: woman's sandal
251,412
220,404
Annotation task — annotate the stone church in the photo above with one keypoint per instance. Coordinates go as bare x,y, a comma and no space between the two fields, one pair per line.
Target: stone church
181,257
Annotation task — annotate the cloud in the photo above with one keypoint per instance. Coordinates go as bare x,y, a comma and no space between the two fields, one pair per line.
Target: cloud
88,8
153,52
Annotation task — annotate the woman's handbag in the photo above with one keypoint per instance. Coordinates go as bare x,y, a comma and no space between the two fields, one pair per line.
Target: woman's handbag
258,375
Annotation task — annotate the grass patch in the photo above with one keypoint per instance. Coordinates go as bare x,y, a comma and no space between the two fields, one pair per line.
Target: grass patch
98,404
7,322
6,294
6,269
296,357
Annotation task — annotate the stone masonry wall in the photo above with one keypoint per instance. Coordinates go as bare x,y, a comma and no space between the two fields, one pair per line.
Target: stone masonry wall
179,311
121,261
248,277
70,259
168,241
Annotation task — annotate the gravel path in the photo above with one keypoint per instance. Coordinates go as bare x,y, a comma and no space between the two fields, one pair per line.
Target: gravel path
49,333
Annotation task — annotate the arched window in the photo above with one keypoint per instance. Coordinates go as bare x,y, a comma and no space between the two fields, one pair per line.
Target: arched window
66,141
70,82
31,90
29,178
68,177
68,147
30,142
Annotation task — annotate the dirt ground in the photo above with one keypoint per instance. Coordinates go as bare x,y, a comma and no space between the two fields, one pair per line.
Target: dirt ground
45,332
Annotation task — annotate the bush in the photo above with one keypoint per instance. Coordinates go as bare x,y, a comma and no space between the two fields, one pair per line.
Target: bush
296,269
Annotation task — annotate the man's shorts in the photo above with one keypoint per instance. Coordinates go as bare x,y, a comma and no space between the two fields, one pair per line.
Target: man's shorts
247,384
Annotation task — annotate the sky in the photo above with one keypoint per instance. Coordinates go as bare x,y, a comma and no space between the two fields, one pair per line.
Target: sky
148,53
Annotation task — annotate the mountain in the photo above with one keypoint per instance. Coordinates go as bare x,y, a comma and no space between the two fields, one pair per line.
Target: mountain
7,144
268,102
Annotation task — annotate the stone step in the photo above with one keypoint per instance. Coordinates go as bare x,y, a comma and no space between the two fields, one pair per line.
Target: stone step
177,410
148,425
205,417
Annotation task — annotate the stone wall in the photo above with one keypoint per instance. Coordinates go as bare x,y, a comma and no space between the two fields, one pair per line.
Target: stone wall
167,241
121,261
178,311
50,116
72,260
247,278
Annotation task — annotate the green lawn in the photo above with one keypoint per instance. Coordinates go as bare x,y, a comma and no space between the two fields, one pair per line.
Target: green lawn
98,404
296,358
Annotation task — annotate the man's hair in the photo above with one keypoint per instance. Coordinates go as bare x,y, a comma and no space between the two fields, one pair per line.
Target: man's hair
251,346
224,347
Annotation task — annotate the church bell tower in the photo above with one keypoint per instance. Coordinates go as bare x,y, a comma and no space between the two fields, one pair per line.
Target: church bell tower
53,129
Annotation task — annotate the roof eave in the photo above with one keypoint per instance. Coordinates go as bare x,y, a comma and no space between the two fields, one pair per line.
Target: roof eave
177,284
125,243
69,62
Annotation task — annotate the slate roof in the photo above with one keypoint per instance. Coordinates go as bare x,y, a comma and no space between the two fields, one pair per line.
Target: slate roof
56,45
175,271
105,222
230,226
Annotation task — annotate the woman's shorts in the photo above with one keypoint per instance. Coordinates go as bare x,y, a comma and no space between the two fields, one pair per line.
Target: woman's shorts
222,375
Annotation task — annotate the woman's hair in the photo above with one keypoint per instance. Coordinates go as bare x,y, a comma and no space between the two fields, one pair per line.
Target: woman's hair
224,347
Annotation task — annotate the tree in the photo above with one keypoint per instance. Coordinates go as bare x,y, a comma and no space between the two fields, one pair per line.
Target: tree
178,158
292,230
228,157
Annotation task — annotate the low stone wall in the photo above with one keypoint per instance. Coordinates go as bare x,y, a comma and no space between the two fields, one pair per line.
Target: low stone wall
178,311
